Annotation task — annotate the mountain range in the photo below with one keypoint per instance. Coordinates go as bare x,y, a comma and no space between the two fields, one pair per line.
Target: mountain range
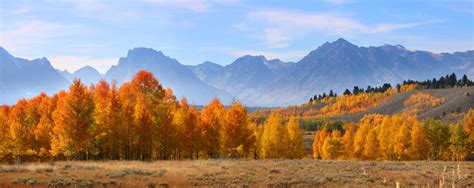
254,80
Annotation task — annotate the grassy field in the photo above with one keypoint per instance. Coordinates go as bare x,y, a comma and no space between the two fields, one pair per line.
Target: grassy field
241,173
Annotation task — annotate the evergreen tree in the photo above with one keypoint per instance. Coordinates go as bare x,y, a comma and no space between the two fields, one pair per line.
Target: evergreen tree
347,92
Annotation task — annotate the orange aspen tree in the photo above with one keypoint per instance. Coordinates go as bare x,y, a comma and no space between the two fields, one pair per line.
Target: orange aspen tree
236,132
73,119
210,127
42,131
21,129
186,120
5,139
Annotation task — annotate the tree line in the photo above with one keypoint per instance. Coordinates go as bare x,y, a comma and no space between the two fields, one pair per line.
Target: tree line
397,137
138,121
447,81
141,120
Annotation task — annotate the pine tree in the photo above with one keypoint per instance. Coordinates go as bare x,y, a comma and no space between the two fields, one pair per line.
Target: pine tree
347,92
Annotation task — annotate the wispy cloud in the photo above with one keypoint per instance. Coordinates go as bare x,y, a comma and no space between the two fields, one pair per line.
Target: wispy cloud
193,5
73,63
35,34
391,27
281,27
338,2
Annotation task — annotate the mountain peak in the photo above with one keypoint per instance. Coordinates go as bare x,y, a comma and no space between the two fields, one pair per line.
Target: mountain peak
342,43
142,51
342,40
251,59
4,52
87,69
209,63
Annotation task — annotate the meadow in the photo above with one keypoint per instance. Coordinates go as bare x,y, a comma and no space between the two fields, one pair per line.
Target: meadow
239,173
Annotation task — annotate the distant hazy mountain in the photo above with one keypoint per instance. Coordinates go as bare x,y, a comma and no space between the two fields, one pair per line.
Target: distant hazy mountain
169,72
244,76
206,71
336,65
21,78
88,75
254,80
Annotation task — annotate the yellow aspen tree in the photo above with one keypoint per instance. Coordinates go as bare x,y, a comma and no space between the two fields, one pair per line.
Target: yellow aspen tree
371,147
402,142
457,142
469,130
388,127
419,147
359,140
273,138
295,140
348,141
318,141
332,147
437,133
257,132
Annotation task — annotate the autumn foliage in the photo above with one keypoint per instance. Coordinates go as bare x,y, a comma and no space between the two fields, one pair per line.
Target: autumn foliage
397,137
141,120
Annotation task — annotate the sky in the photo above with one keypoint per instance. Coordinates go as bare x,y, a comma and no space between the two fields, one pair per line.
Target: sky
75,33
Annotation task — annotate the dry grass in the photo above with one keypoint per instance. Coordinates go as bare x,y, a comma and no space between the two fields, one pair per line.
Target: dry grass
230,173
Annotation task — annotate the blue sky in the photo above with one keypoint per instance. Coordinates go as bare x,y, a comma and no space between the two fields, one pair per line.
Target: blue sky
74,33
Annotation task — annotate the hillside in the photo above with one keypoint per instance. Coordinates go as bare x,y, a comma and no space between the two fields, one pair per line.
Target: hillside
456,100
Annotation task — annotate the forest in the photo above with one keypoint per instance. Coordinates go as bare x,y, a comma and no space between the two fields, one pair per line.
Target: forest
141,120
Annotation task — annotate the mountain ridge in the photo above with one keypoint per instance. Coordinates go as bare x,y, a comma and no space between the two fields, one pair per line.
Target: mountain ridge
258,81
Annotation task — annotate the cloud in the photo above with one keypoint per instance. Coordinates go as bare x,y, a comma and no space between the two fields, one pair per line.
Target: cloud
88,5
338,2
391,27
193,5
281,27
24,36
73,63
